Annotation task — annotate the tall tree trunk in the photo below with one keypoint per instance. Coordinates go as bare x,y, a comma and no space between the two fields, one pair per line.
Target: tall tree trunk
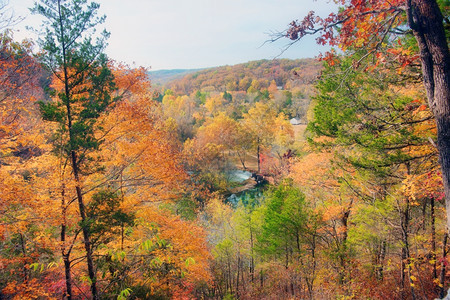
405,250
406,259
380,260
258,149
244,285
433,238
238,274
310,278
261,278
65,254
23,248
242,159
252,259
230,278
343,276
68,277
426,21
122,198
85,230
286,266
443,268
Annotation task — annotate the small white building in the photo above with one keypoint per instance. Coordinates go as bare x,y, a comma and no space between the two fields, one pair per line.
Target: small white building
295,121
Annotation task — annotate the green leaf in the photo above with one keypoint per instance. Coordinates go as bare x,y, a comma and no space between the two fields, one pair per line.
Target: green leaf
189,261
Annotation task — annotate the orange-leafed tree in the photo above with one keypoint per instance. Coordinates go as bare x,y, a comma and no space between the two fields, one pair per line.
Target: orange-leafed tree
171,259
143,175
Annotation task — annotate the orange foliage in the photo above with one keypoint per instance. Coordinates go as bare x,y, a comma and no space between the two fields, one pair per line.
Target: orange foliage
19,89
362,25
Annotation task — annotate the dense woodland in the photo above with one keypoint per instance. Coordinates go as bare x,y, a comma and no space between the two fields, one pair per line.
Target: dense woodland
114,188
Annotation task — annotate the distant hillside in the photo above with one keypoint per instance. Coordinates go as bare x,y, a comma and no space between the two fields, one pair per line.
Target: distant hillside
286,73
161,77
285,85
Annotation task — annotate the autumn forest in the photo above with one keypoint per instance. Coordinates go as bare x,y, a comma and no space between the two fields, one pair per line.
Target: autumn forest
323,178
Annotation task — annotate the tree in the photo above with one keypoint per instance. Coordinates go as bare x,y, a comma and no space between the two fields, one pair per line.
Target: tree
267,129
83,85
370,25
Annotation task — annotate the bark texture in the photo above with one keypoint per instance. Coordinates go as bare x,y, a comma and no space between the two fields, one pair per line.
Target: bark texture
426,22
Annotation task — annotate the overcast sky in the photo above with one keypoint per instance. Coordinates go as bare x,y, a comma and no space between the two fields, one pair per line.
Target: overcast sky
181,34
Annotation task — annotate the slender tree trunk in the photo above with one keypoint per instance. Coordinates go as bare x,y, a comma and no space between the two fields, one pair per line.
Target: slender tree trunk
23,248
443,268
286,266
424,214
286,263
433,238
312,273
68,276
405,250
87,244
242,159
343,246
261,278
252,260
85,229
402,272
244,285
426,21
122,227
230,278
380,261
65,255
238,274
258,157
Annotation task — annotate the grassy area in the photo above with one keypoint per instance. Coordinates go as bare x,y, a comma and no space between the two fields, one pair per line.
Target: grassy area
299,131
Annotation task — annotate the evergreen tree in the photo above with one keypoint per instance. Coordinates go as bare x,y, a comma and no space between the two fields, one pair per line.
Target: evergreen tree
81,92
